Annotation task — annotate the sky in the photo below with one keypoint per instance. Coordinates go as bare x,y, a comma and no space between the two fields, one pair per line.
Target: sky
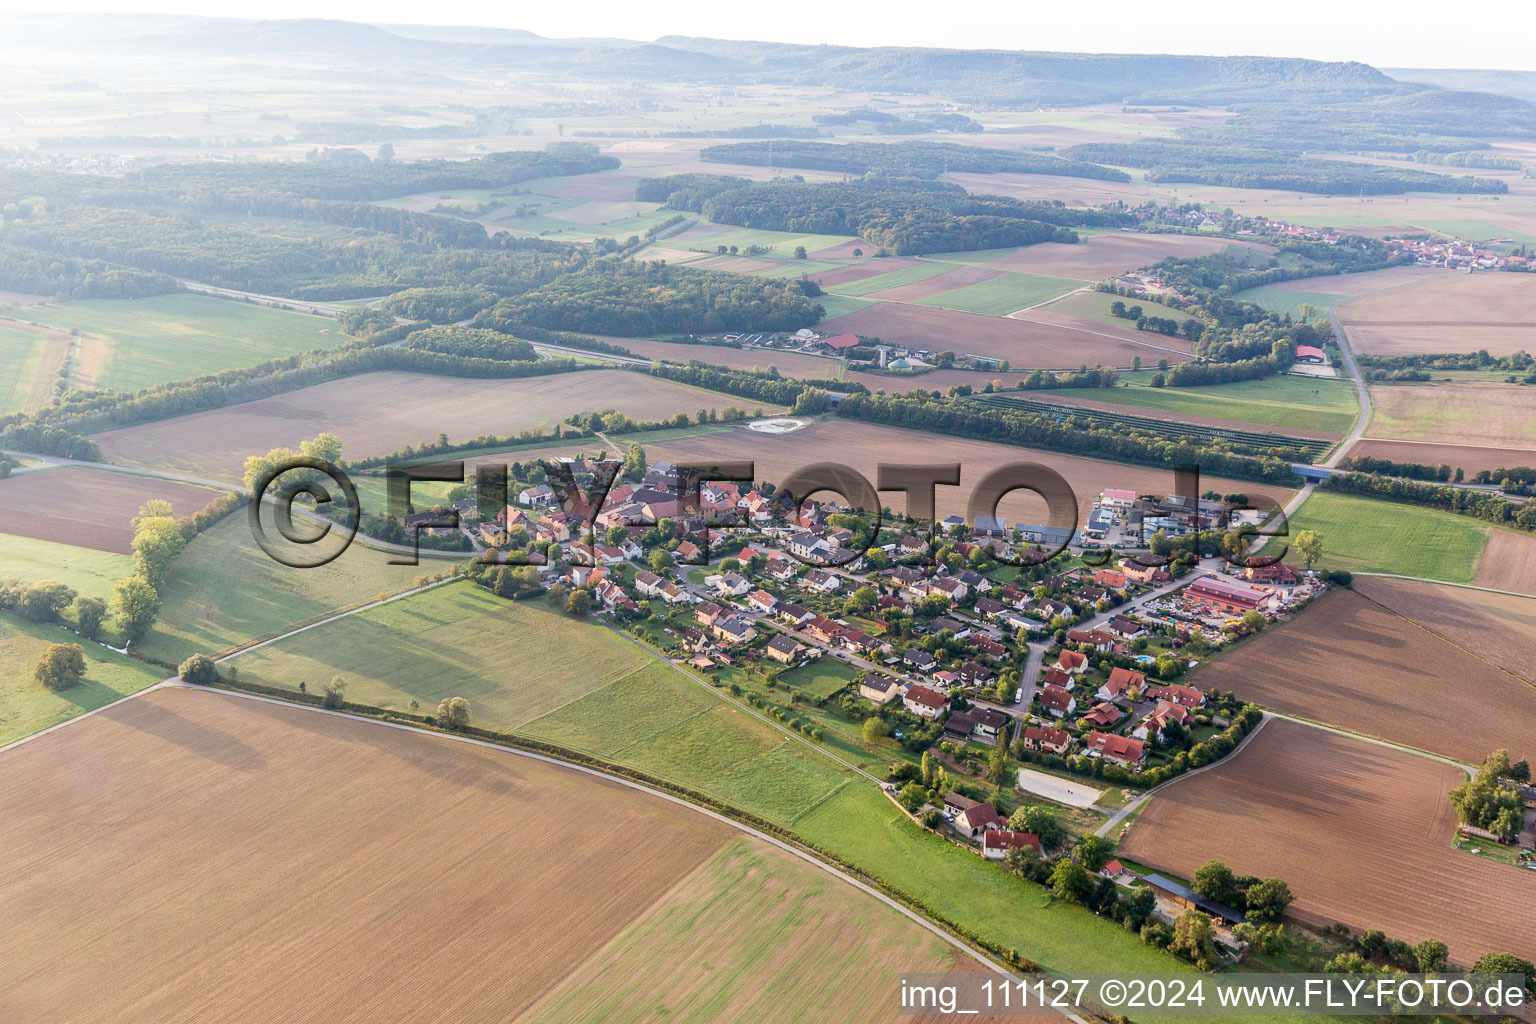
1403,33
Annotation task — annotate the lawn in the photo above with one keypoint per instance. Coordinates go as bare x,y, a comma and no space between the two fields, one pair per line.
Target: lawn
1003,295
173,337
839,305
24,357
1278,300
510,659
224,590
1364,535
1302,403
821,678
27,707
90,572
1092,305
891,279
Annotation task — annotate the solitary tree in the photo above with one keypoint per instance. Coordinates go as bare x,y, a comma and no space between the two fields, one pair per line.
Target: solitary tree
1309,545
198,669
997,764
335,692
453,713
873,729
61,666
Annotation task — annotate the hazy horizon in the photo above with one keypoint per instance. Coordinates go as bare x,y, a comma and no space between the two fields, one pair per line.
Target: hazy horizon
1311,29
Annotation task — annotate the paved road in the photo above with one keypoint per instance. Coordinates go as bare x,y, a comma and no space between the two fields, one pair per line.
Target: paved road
277,301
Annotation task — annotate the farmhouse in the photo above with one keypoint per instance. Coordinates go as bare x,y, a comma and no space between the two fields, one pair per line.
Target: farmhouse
996,843
1186,898
1119,749
923,702
1218,595
1044,737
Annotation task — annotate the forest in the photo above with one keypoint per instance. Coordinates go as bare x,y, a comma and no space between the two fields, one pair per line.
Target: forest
903,159
896,217
634,299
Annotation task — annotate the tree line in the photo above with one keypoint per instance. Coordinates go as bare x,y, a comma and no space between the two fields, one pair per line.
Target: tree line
1487,507
904,159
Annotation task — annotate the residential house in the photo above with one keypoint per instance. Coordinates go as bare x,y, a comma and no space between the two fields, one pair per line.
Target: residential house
1092,594
1060,703
810,548
784,649
1121,750
793,614
674,594
825,629
910,546
689,553
996,844
1120,683
733,629
537,495
1072,662
981,724
781,570
978,819
920,660
1103,715
924,702
1056,677
762,601
648,583
1098,639
1047,739
731,584
1127,628
860,642
1145,574
974,673
987,647
879,689
1185,696
706,612
1153,725
822,581
989,608
1109,579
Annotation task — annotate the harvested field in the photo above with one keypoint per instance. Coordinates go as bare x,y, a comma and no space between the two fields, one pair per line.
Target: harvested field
1362,834
377,413
860,271
145,860
1024,343
1355,285
1097,257
1355,664
605,185
1483,415
790,364
1471,458
30,361
1445,312
1500,628
1162,414
817,949
1509,563
85,507
957,278
863,446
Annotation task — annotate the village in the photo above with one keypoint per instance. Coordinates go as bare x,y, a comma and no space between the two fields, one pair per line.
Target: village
1069,668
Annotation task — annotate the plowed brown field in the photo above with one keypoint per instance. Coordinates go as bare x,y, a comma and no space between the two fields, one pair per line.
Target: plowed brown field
1471,458
1444,312
190,855
1024,343
377,413
1509,563
1500,628
1350,662
1362,833
1101,256
87,508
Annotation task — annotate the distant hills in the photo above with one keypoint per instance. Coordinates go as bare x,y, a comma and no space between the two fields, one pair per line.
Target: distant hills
1452,103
